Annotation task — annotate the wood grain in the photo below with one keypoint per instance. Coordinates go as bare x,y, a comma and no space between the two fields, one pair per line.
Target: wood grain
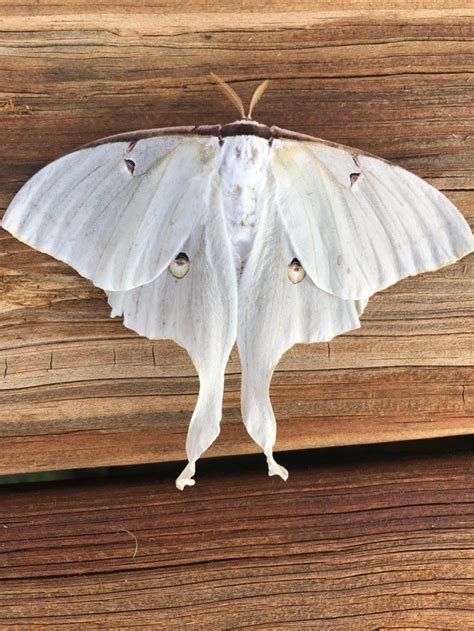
77,388
372,538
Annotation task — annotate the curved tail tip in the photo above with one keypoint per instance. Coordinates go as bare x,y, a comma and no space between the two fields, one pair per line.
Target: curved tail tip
186,477
275,469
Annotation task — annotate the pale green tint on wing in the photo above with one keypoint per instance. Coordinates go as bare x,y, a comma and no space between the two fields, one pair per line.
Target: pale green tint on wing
355,236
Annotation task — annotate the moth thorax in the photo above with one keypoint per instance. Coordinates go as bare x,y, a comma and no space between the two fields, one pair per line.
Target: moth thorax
243,176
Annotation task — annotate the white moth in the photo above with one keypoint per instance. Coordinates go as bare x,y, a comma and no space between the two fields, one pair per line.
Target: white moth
211,235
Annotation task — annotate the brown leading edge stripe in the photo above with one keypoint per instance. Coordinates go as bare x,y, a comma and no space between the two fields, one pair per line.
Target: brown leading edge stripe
141,134
236,128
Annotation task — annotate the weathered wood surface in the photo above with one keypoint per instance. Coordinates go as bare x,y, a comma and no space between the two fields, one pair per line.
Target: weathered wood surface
77,388
358,538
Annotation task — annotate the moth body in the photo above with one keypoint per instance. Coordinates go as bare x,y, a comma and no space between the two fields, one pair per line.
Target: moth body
242,173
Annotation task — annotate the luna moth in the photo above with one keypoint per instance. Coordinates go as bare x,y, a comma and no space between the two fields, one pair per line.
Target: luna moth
242,232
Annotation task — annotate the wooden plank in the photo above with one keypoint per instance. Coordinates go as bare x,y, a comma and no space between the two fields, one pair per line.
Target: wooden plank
77,388
372,538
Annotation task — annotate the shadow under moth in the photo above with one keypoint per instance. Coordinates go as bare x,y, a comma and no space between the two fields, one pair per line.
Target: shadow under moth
216,234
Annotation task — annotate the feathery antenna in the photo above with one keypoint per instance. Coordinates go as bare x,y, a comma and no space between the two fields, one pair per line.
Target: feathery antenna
230,93
234,98
257,95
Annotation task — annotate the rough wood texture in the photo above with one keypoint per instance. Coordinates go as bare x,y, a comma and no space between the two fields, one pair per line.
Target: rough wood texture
77,388
373,538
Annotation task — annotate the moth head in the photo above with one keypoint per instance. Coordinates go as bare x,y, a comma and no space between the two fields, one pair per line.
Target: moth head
235,99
